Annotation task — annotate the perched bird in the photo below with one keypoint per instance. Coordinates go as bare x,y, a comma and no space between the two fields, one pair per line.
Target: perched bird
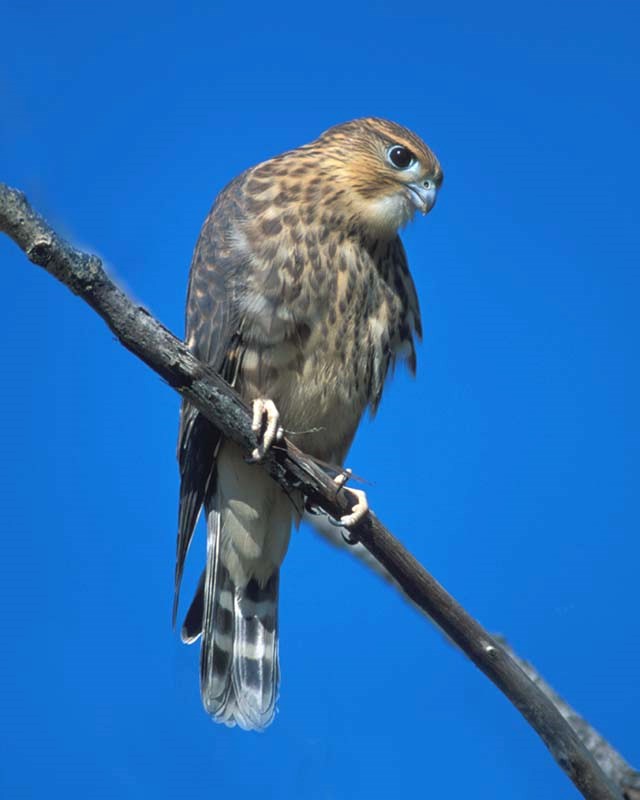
300,296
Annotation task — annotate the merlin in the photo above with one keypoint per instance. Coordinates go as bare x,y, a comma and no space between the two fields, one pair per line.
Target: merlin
300,297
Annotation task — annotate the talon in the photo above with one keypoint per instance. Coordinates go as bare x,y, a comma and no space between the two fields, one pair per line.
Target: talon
349,538
264,409
314,510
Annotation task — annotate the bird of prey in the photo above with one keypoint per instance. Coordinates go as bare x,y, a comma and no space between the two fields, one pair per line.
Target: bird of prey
300,297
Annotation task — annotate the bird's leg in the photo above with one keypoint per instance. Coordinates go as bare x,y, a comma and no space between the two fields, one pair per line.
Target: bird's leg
358,511
266,426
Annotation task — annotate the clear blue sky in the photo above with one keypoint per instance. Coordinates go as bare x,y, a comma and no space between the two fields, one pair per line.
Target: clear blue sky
510,467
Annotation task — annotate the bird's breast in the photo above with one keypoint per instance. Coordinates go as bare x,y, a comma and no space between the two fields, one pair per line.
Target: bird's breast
317,323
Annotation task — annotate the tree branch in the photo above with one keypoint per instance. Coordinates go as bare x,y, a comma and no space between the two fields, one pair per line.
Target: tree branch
200,385
606,756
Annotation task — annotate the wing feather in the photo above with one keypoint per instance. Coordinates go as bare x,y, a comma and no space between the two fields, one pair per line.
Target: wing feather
212,333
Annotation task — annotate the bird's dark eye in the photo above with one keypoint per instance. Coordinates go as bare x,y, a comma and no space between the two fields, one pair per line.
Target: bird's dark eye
401,157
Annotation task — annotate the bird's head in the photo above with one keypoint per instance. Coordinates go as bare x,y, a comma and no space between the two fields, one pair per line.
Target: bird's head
385,172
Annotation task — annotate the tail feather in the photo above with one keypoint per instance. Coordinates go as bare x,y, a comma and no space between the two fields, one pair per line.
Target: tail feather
216,653
255,670
239,670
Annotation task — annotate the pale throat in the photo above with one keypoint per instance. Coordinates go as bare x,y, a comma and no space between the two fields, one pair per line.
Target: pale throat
388,214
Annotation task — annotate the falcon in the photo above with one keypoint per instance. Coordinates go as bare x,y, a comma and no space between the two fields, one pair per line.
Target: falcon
300,297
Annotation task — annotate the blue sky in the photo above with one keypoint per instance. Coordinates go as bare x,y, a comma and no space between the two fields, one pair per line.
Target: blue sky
510,466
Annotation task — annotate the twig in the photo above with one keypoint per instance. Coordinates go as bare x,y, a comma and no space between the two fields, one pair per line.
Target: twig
169,357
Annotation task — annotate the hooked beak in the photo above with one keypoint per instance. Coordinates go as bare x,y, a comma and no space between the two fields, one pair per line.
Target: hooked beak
423,194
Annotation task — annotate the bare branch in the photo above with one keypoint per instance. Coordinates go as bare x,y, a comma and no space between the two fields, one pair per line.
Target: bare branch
170,358
607,757
609,760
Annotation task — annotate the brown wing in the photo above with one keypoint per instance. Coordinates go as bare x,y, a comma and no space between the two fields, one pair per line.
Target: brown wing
404,324
411,321
212,332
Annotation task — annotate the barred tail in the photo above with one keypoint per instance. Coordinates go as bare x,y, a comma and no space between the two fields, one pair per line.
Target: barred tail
236,603
239,668
239,671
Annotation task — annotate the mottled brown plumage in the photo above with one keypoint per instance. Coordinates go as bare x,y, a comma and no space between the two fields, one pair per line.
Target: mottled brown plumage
300,293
